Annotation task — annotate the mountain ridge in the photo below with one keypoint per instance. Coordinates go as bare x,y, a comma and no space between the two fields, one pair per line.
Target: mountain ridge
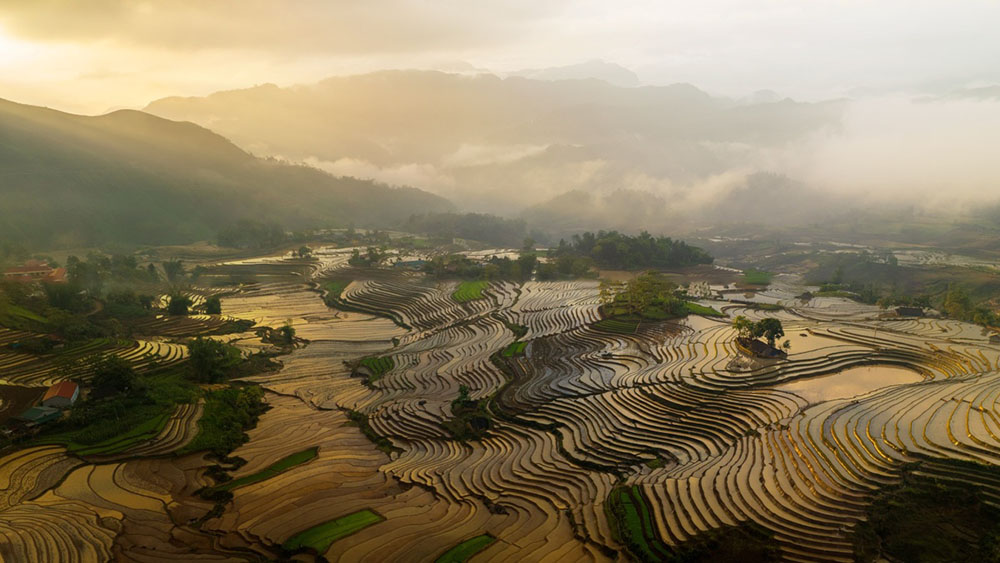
132,177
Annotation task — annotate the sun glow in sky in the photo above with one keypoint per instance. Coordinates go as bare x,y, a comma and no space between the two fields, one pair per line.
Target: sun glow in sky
15,52
93,56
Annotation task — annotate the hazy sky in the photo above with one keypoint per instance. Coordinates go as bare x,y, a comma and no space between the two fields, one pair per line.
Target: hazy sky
100,54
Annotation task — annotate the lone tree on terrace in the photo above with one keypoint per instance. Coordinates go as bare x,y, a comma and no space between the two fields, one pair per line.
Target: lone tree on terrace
769,328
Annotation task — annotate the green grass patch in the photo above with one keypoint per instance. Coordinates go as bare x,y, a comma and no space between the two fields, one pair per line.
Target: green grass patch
469,291
377,366
518,330
753,276
320,537
632,519
334,288
23,313
514,349
133,437
463,551
115,425
283,464
696,309
618,325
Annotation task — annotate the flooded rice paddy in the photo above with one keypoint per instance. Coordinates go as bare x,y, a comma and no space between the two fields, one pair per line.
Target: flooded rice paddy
577,413
849,383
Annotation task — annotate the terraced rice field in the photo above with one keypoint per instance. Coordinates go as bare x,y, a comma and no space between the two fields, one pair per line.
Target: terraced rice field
320,537
469,291
465,550
31,370
660,429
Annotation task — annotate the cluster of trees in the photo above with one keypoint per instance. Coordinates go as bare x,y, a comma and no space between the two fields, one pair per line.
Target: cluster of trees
471,420
565,266
614,250
496,268
228,414
118,401
868,276
474,226
281,336
248,233
895,299
97,270
649,295
372,257
959,305
126,303
769,328
100,291
212,361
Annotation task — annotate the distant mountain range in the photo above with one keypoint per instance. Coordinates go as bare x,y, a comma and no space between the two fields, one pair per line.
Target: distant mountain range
504,145
134,178
612,73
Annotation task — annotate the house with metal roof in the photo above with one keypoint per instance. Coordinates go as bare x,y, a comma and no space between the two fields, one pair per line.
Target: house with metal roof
61,395
38,415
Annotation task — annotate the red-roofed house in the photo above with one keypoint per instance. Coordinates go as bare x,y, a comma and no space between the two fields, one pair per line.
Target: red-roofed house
61,395
35,271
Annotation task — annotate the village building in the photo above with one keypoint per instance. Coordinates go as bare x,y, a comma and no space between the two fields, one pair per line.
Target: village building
61,395
35,271
410,264
36,416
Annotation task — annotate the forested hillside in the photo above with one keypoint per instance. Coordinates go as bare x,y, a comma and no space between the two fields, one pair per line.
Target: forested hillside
130,177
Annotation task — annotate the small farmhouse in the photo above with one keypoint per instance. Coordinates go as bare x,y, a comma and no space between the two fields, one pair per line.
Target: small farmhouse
61,395
35,271
38,415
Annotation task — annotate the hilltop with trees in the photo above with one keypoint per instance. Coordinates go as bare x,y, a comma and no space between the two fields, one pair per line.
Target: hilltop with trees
649,297
133,178
617,251
473,226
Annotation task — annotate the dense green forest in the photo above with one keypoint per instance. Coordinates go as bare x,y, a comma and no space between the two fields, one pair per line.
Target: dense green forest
475,226
614,250
129,177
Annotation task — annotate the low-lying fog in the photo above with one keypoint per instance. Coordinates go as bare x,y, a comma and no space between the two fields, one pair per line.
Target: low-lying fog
584,152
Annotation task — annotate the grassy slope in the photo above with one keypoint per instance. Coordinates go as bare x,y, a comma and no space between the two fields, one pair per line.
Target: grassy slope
465,550
469,291
143,429
753,276
377,366
321,536
283,464
139,179
631,518
131,425
514,349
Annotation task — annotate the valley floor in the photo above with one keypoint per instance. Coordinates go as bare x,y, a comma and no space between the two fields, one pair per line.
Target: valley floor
573,416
